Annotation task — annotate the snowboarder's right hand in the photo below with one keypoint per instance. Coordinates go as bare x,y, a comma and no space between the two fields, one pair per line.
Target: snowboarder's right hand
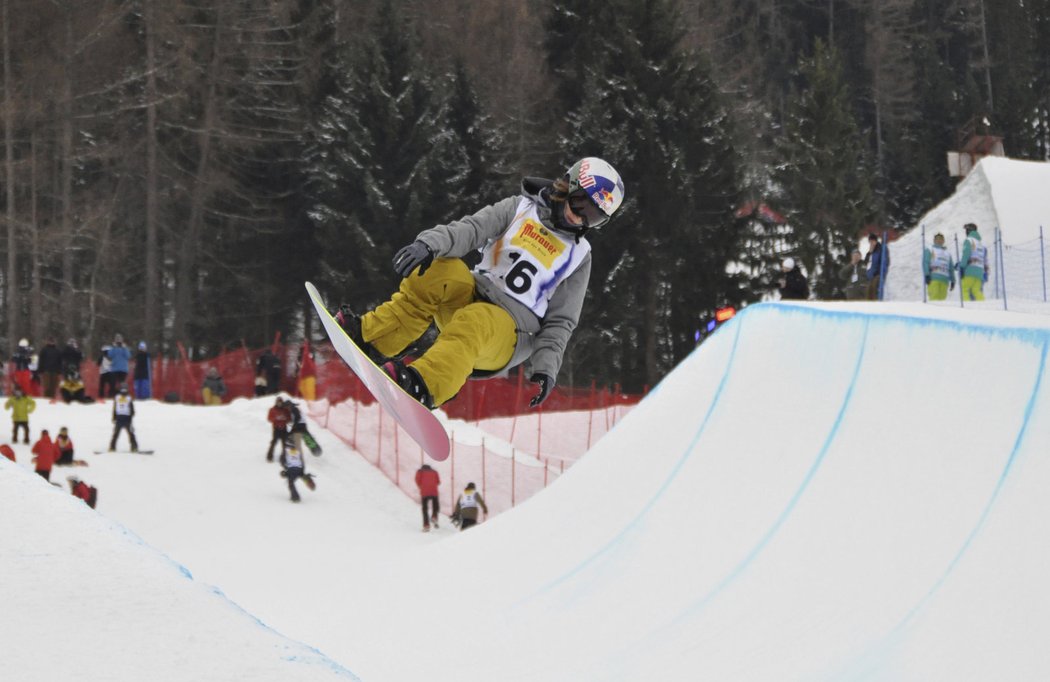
546,384
416,254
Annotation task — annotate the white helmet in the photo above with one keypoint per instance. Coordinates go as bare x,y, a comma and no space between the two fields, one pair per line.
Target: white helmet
789,263
23,343
595,190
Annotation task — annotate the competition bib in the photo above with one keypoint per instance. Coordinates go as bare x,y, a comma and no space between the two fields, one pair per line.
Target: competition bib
123,405
529,261
939,261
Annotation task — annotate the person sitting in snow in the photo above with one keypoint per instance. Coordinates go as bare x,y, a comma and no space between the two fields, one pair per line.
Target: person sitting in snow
466,511
65,448
72,389
80,489
214,389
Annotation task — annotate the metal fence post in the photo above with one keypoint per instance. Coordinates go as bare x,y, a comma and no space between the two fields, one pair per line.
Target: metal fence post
1042,260
922,255
1002,264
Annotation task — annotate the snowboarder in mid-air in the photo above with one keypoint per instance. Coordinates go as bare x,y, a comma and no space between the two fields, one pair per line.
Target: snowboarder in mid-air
520,303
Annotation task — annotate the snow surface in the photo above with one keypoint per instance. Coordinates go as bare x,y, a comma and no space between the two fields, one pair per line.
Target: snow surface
1008,194
820,491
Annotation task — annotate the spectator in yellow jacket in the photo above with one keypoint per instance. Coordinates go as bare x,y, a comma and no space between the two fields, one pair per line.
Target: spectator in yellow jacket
21,406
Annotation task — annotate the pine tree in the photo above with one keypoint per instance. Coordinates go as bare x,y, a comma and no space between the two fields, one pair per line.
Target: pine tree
374,161
825,176
637,99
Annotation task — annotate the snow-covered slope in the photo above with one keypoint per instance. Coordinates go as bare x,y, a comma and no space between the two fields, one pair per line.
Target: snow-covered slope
820,491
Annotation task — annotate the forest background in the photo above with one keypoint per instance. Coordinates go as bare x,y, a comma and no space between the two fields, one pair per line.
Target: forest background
175,169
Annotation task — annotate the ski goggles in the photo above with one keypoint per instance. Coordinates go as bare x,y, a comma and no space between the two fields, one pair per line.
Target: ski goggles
585,208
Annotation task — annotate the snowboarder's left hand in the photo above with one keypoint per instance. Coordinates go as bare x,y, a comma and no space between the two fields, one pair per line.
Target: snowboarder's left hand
416,254
546,384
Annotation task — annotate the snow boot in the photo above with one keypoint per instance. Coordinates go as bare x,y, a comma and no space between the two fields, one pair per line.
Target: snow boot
351,324
409,379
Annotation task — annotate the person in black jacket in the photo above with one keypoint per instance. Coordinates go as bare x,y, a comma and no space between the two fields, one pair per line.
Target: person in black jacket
49,366
269,368
71,357
793,285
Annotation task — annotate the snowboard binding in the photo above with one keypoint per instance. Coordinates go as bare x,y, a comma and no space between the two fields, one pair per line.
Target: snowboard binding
408,378
351,324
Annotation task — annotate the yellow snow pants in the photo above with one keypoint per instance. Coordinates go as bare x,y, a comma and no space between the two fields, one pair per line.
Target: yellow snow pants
472,334
972,288
937,290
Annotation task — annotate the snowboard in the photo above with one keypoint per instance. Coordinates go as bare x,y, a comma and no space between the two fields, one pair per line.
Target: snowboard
418,422
311,444
125,452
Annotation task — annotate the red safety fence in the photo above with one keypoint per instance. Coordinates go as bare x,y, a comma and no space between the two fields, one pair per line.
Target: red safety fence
507,449
509,459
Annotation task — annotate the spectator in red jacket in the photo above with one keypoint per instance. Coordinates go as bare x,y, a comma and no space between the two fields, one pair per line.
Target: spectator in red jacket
279,417
428,480
44,455
83,491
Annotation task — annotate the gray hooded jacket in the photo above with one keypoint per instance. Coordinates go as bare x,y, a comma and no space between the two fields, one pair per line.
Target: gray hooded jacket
540,341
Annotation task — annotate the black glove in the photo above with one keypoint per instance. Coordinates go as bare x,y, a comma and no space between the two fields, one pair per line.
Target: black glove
927,279
546,384
951,287
416,254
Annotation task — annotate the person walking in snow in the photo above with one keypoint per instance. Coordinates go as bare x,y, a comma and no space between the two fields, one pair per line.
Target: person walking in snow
293,466
279,417
44,455
123,414
938,269
793,284
973,265
143,377
466,511
428,480
520,304
21,406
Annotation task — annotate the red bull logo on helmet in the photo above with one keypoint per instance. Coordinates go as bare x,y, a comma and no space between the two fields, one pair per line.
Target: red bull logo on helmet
601,182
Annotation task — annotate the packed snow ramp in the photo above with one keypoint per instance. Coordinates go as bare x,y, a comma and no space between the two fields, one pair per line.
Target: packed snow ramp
819,492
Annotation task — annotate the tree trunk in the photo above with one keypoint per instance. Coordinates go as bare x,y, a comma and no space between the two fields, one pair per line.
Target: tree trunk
13,318
186,281
153,303
67,156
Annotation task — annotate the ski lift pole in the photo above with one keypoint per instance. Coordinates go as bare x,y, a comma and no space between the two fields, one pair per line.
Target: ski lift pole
1042,260
922,254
